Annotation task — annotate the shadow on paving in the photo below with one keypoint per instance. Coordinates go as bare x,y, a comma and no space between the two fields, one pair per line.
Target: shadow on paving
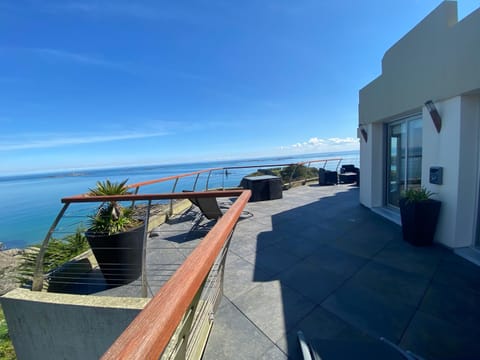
344,276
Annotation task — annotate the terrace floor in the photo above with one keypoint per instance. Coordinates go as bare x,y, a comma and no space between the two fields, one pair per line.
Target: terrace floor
319,262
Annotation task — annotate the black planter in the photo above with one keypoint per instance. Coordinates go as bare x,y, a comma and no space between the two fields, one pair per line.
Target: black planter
419,220
119,256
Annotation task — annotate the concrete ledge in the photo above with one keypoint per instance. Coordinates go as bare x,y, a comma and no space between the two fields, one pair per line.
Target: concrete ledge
79,300
62,326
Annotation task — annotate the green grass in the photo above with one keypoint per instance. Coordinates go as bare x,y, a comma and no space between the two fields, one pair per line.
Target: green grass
6,348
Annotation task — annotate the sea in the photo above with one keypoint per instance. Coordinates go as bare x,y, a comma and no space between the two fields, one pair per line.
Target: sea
31,202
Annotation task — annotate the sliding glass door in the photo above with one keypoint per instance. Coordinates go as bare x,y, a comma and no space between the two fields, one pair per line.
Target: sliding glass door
404,160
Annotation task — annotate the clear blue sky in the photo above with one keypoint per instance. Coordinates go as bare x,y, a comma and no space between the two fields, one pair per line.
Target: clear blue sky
108,83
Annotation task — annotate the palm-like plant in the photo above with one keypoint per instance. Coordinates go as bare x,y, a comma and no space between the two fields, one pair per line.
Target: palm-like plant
417,194
111,217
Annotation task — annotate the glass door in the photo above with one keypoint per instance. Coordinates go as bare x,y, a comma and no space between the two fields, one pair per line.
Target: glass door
404,158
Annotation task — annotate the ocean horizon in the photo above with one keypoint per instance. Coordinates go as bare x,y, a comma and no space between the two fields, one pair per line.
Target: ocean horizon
32,201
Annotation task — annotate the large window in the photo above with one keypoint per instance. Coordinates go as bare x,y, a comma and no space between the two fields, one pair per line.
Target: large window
404,160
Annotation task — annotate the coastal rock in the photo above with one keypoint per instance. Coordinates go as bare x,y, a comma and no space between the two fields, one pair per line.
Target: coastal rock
10,260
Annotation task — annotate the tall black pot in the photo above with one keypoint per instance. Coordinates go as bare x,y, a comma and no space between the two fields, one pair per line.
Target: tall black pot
120,255
419,220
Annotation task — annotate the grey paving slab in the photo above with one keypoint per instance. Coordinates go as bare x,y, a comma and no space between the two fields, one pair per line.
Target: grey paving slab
371,311
254,225
455,270
274,353
235,337
318,261
433,338
272,259
301,245
243,246
392,284
266,304
454,304
360,245
240,276
319,324
417,260
335,260
247,244
310,281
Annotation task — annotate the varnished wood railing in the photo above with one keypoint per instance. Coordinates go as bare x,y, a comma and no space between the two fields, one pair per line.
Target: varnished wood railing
150,332
38,275
171,309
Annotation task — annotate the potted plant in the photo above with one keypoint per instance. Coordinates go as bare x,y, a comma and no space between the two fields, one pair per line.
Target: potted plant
116,236
419,214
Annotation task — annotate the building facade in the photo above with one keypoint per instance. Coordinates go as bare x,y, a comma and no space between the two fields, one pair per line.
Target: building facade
438,60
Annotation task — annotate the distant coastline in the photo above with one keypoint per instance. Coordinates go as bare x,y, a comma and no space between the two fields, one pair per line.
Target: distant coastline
89,171
31,201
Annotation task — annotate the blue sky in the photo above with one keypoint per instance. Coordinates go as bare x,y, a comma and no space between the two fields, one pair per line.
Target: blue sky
109,83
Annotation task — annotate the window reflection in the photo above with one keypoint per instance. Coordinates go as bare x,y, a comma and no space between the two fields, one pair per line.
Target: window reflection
404,165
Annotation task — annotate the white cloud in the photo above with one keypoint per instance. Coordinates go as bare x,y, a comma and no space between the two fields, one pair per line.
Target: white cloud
53,140
316,144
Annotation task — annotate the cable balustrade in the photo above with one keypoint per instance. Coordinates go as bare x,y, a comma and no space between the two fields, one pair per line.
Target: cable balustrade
182,257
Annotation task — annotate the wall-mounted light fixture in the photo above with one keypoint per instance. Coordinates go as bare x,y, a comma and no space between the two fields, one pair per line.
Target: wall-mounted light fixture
437,120
364,134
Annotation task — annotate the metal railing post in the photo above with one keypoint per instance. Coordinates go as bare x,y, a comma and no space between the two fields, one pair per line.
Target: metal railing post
208,179
195,183
291,175
37,281
144,257
338,164
224,174
171,200
135,192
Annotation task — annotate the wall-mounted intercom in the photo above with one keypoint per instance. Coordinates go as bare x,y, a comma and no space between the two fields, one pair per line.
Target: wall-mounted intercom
436,175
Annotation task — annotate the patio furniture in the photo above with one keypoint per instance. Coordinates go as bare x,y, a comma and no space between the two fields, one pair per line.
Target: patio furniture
327,177
210,208
349,174
207,205
264,187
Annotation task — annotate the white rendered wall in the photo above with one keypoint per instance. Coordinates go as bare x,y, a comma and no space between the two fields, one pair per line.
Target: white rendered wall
437,60
443,150
456,150
372,158
467,203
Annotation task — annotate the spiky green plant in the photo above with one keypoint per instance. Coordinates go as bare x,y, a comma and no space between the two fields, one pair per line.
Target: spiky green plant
417,194
111,217
58,252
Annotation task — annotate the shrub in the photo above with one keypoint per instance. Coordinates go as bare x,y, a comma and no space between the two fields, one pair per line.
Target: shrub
417,194
58,252
299,172
7,351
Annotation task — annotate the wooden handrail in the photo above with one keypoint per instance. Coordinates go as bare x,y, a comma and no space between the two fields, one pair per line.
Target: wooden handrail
149,333
174,177
272,165
168,178
163,196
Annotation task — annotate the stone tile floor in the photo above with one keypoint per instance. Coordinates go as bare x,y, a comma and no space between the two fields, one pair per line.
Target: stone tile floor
318,261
